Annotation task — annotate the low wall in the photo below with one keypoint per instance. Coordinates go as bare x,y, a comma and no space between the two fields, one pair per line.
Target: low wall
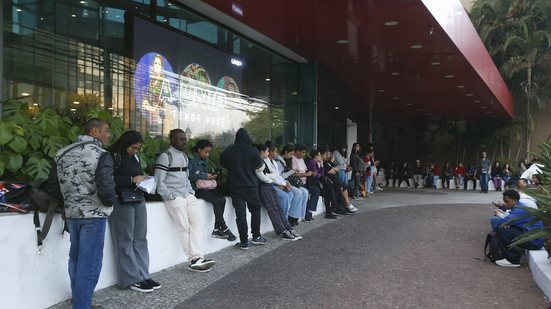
39,281
539,263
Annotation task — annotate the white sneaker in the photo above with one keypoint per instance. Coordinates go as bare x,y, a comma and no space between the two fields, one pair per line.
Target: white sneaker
379,189
505,263
352,208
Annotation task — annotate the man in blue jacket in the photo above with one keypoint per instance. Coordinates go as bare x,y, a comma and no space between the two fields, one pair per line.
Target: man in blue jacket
507,232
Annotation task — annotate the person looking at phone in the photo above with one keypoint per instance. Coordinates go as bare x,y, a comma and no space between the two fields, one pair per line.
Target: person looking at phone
508,230
204,184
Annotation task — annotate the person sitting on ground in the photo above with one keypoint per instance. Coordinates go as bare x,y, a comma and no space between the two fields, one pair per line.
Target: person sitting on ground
470,174
447,175
315,166
418,174
299,201
330,171
301,170
204,184
403,175
128,221
270,199
391,173
171,175
242,161
459,174
507,231
497,173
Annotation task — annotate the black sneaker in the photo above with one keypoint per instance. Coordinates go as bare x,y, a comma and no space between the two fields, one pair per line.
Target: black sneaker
242,246
143,287
201,265
154,284
259,241
340,213
218,234
286,235
330,216
230,235
294,233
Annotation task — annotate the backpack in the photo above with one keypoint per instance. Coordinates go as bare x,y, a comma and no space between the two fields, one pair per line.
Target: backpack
492,248
14,197
46,196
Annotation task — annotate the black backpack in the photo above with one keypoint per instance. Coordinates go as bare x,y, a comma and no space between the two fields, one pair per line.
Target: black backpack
492,248
46,197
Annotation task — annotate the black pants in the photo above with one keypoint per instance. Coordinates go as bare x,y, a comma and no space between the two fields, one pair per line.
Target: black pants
239,197
218,202
506,236
406,179
466,180
331,196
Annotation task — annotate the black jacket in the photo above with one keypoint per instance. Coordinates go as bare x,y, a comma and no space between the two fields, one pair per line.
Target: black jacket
241,160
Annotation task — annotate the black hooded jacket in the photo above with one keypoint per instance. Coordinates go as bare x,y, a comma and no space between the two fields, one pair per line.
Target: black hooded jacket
241,160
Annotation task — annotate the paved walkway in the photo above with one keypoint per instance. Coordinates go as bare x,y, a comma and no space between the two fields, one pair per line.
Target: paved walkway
416,256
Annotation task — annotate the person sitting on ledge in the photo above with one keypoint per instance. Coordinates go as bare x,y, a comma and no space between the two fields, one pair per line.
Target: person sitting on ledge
507,231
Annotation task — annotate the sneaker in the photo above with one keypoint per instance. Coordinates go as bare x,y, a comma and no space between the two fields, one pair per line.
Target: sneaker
286,235
201,265
340,212
294,233
330,216
218,234
308,219
154,284
378,189
350,212
259,241
352,208
230,235
505,263
242,246
143,287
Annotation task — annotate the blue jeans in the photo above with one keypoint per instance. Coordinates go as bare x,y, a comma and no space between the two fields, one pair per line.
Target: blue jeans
369,183
285,198
484,178
343,177
85,258
299,202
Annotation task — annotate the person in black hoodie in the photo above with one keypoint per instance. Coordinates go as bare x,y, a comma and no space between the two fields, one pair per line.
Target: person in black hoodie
242,160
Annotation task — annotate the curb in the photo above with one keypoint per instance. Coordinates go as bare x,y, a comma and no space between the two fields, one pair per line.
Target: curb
541,270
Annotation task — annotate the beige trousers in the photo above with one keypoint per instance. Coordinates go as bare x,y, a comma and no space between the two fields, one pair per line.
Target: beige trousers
185,213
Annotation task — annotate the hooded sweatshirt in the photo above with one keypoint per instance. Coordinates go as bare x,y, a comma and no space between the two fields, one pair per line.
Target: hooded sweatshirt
241,160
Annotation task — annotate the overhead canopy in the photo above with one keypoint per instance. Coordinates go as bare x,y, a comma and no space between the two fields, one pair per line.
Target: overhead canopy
414,59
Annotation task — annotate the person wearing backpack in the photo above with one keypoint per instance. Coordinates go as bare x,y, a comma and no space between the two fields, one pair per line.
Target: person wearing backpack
507,231
171,175
88,201
128,221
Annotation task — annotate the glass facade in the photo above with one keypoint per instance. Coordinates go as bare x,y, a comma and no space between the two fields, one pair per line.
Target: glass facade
154,63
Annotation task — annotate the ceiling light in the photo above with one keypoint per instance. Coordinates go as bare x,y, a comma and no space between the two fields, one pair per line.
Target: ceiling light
380,90
435,63
429,114
420,109
25,94
470,94
82,2
483,107
336,107
396,98
416,46
449,76
267,79
35,104
73,15
73,109
488,112
19,10
117,16
460,86
394,73
494,116
343,41
76,102
391,23
110,108
476,101
409,104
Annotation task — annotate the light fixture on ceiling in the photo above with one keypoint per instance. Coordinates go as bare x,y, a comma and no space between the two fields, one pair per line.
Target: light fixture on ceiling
435,63
396,98
449,76
35,104
82,2
336,107
483,107
343,41
429,114
19,10
476,101
73,15
380,90
25,94
409,104
416,46
110,108
420,109
73,110
267,79
394,73
76,102
470,94
488,112
460,86
391,23
430,31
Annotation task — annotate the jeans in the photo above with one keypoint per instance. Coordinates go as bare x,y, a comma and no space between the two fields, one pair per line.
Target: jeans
299,202
484,178
285,198
356,186
342,176
128,227
506,236
435,181
459,180
218,202
250,195
187,217
369,183
85,258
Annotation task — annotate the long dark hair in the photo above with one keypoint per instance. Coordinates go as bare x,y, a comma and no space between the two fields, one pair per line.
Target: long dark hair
126,140
353,150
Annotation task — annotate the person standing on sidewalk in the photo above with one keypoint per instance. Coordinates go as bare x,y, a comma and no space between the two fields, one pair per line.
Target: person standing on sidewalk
484,172
171,175
198,173
128,221
242,161
85,174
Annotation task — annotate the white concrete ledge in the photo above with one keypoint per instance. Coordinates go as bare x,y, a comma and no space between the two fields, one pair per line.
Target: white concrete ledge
40,281
540,266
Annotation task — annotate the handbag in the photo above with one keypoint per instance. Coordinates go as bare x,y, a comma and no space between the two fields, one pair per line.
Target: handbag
129,196
295,181
206,184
